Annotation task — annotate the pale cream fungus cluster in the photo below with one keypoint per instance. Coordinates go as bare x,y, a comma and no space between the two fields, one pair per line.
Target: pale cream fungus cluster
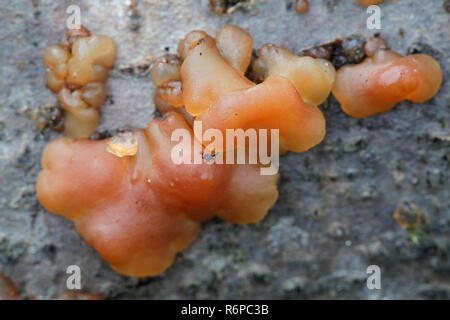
77,70
134,205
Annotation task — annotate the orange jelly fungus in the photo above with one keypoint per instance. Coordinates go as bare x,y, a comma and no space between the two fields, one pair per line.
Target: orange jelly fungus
385,78
77,70
313,78
216,91
133,204
139,211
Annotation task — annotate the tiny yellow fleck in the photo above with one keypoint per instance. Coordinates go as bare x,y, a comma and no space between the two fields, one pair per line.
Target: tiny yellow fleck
123,145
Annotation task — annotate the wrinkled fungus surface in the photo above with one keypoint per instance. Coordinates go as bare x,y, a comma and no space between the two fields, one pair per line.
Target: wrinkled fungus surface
133,203
138,207
206,81
216,91
77,70
385,78
139,211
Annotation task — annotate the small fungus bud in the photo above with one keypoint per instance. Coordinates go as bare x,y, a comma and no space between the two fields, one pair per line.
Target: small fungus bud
165,69
235,46
313,78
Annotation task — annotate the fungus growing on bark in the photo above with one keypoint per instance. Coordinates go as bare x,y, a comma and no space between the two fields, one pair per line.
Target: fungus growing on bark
138,211
77,70
313,78
385,78
137,206
216,91
212,87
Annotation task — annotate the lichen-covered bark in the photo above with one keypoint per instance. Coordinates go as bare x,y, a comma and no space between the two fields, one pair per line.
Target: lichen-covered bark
334,216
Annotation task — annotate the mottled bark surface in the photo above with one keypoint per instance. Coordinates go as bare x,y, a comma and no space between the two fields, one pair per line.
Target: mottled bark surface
334,216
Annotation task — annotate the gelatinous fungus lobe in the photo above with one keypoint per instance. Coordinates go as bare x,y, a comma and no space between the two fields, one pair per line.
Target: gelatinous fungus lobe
234,44
139,210
134,204
216,91
77,70
313,78
385,78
